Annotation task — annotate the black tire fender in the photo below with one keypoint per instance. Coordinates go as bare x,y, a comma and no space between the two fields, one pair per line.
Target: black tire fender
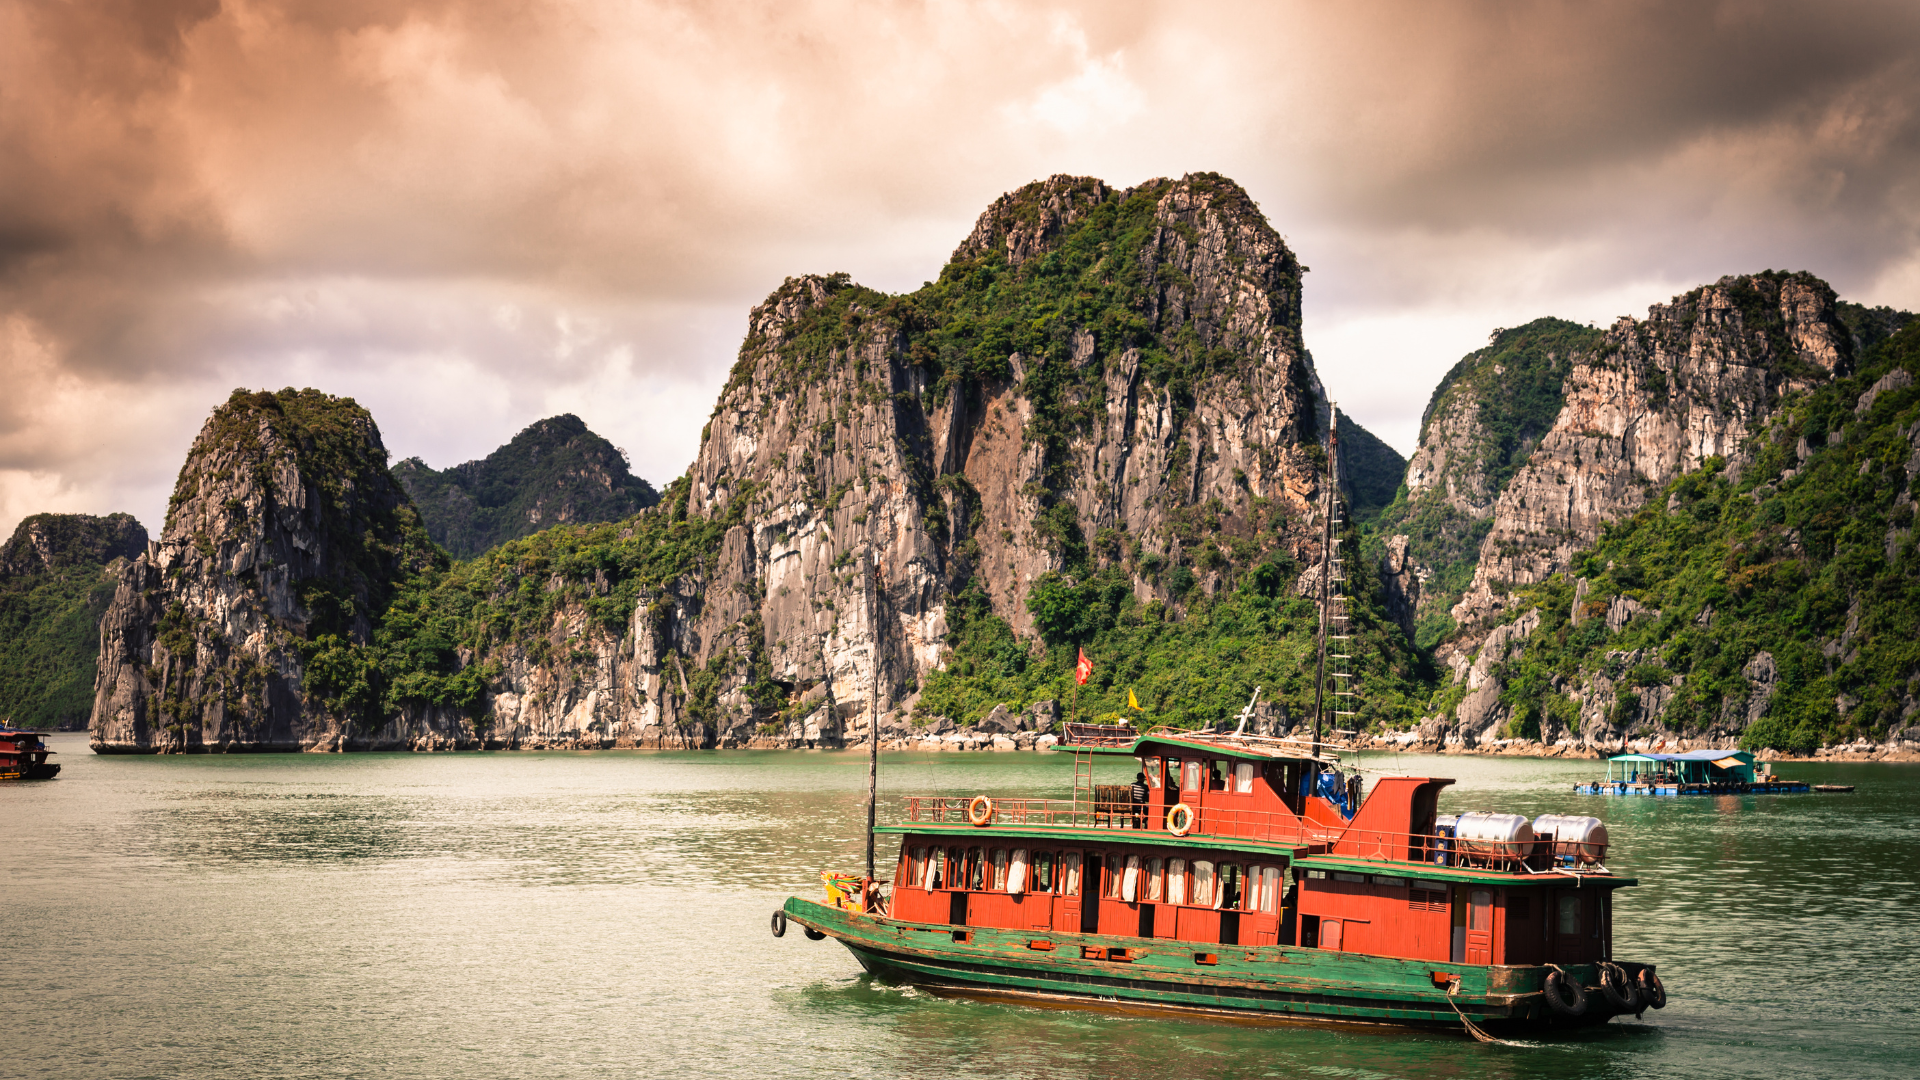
779,923
812,934
1618,989
1652,991
1564,995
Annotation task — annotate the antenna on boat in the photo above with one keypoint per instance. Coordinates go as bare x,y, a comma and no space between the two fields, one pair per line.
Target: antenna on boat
873,716
1247,713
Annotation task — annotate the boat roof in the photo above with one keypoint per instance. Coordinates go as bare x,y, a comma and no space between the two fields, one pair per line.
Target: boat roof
1715,756
1236,747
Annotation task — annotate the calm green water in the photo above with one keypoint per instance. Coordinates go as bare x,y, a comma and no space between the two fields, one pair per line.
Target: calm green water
534,915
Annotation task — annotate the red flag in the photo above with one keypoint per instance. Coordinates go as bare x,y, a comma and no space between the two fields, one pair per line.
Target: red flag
1083,670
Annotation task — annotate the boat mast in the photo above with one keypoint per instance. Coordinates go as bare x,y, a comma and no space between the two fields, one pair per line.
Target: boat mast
873,717
1326,575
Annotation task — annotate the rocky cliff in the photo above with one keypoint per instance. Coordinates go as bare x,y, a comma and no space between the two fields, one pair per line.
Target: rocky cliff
56,579
1482,424
47,542
238,629
1659,397
554,472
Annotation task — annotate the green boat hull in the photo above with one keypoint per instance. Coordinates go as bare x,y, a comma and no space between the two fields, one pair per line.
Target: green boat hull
1262,984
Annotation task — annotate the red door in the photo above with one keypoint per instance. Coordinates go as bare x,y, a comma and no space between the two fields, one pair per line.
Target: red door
1067,918
1479,926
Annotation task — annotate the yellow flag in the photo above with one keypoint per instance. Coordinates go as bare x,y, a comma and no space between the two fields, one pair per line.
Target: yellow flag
1132,702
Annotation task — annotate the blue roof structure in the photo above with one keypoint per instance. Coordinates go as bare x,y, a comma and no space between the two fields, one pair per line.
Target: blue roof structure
1691,755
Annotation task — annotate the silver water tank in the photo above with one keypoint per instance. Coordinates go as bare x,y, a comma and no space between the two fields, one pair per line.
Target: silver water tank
1493,836
1575,838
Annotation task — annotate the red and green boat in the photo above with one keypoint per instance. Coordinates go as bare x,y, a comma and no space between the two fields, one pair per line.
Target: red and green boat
23,756
1247,878
1254,882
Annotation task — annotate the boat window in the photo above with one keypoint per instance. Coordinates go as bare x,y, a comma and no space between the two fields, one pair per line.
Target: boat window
1043,871
1215,781
1243,777
1269,888
1110,888
1153,772
1189,776
1231,888
999,882
1480,910
915,869
1569,915
1154,869
937,875
1070,874
1017,872
976,870
1130,883
1176,881
1202,883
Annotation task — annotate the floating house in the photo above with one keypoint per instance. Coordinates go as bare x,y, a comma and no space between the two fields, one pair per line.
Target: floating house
1696,772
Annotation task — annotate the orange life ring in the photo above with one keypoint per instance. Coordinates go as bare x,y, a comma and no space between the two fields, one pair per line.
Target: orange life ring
980,810
1185,814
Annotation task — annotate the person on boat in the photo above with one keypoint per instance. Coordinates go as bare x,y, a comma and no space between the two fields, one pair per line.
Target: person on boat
1139,794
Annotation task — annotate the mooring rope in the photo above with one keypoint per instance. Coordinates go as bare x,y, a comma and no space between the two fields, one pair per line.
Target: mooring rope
1473,1029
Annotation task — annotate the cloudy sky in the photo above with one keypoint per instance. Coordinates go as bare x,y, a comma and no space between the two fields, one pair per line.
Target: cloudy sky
472,215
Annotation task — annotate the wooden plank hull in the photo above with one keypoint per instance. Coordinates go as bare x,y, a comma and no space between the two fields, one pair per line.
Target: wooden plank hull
1263,984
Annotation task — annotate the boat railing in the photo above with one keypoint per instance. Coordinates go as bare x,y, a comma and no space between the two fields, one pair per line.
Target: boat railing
1532,856
1283,828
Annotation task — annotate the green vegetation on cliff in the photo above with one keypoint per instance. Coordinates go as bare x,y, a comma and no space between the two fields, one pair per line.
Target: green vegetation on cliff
554,472
55,582
1810,559
1188,668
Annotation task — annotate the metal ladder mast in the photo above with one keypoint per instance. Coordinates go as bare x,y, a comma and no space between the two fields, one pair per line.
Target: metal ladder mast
1336,631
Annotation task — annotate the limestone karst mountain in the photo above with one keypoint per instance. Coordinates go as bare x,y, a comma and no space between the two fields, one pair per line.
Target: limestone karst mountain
247,625
1100,420
1652,569
553,473
56,578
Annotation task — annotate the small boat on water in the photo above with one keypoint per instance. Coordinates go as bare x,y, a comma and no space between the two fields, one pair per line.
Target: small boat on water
1696,772
1258,880
23,756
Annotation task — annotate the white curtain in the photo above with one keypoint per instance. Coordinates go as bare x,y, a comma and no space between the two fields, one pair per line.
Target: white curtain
1243,776
1070,874
1176,881
1270,889
1202,883
1017,875
931,871
1130,885
1153,880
